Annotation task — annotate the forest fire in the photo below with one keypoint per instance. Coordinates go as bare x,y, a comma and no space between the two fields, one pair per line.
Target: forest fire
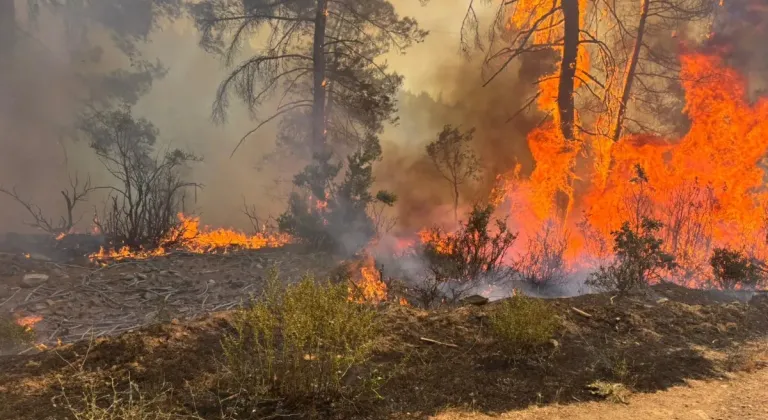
190,237
707,188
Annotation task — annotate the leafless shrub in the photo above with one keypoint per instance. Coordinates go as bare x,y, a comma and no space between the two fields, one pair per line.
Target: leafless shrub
73,195
543,262
142,207
382,222
598,250
688,224
258,223
638,205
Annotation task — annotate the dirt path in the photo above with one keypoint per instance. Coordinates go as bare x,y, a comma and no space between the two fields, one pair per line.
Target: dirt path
743,398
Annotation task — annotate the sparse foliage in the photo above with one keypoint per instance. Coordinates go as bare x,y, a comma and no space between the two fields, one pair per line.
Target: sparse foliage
522,323
733,270
129,404
458,261
298,342
320,58
689,222
142,207
455,160
639,259
334,97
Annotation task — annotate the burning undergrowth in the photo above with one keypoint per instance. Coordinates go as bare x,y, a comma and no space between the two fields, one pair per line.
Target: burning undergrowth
189,236
703,193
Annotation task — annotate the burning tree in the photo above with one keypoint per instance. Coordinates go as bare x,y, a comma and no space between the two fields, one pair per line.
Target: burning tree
452,155
141,209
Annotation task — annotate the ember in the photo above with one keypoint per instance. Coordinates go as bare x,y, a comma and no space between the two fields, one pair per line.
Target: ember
29,322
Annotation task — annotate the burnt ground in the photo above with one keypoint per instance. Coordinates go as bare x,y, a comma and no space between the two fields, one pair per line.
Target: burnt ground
79,300
646,344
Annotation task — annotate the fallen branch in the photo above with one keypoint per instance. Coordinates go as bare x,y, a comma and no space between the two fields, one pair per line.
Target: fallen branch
580,312
440,343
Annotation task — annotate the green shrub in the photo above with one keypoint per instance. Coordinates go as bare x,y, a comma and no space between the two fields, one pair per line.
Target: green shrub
639,259
732,269
299,342
522,323
13,335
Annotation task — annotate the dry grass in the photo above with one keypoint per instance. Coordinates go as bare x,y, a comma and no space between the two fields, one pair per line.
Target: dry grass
522,323
13,335
332,358
127,404
299,343
747,358
611,391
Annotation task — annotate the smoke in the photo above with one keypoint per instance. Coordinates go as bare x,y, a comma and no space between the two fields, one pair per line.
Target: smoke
51,78
424,197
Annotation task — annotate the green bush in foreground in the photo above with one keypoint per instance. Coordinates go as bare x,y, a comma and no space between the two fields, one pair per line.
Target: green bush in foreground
522,323
299,341
13,335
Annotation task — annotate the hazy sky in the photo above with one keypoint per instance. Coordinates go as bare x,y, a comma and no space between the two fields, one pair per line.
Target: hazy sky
420,64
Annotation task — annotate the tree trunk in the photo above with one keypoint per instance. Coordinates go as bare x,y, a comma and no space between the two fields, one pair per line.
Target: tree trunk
318,58
629,75
565,89
456,202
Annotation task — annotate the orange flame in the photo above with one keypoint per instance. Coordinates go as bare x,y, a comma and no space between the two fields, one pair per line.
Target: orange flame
29,322
368,287
190,237
707,187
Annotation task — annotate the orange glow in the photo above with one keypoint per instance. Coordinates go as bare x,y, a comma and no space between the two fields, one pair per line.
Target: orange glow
368,286
29,322
548,32
190,237
441,244
708,187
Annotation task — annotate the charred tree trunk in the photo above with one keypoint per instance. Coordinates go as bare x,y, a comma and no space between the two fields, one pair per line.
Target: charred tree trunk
456,202
565,89
629,75
318,58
